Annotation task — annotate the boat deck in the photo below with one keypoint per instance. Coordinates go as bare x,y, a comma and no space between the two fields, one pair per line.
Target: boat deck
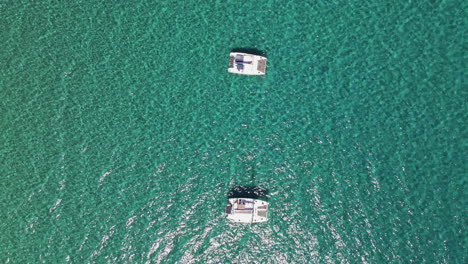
261,65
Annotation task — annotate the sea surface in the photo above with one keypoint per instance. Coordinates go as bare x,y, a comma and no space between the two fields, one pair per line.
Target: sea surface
122,132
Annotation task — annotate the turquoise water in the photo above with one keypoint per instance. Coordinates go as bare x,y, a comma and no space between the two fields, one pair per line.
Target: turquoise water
122,132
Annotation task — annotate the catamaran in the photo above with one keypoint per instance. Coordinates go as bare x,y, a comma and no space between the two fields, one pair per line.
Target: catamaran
247,210
245,63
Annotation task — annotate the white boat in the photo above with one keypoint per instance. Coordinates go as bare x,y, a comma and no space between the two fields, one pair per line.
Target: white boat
247,210
249,64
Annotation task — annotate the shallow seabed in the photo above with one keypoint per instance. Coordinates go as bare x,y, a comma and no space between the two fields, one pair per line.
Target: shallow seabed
122,132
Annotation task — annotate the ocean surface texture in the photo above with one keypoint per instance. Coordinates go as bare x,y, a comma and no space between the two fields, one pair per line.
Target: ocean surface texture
122,132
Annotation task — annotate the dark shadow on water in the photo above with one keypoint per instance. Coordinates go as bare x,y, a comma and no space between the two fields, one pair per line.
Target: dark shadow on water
253,192
250,51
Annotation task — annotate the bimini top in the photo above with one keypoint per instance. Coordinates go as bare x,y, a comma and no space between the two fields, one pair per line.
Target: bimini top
249,64
246,210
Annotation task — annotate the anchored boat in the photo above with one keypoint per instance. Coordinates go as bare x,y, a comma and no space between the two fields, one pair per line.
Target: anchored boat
248,64
247,210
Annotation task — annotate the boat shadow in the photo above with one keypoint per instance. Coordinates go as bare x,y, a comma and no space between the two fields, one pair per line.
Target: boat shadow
250,51
253,192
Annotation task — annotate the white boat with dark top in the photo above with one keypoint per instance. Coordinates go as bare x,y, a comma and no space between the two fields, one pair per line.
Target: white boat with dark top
247,210
248,64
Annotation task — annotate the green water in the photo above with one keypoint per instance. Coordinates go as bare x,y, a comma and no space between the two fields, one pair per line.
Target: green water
122,131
